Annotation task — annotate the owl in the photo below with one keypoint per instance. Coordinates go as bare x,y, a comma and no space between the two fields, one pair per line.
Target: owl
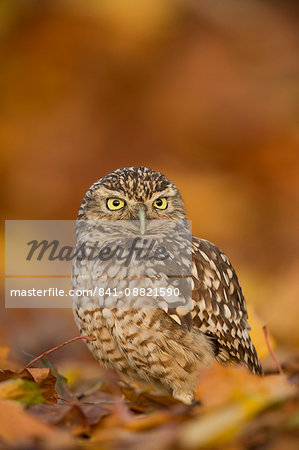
160,317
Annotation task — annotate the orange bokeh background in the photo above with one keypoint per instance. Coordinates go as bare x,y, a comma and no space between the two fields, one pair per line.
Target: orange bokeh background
205,92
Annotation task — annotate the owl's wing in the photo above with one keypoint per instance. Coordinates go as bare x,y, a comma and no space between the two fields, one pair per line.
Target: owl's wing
219,308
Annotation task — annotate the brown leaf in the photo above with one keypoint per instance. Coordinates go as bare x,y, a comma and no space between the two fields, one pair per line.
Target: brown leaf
70,417
8,374
47,381
79,418
145,400
145,422
19,427
93,412
221,384
232,397
21,390
43,377
99,397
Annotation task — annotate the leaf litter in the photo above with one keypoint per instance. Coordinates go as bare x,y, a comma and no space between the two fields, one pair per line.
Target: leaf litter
235,409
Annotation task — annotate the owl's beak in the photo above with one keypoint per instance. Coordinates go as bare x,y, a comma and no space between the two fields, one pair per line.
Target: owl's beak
141,217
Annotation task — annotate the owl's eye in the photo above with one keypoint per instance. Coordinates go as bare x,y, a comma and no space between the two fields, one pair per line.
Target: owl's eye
115,203
160,203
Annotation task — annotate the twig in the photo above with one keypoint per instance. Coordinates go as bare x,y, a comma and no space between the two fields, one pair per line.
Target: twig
57,347
278,366
64,399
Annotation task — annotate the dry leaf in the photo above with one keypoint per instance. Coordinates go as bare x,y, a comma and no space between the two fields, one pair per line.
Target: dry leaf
19,427
43,378
232,396
145,422
79,418
22,390
146,400
46,381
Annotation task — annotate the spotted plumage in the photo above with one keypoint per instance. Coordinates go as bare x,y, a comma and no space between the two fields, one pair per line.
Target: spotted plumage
160,340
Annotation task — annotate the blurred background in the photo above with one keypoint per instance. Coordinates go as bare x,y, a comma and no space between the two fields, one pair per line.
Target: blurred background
205,92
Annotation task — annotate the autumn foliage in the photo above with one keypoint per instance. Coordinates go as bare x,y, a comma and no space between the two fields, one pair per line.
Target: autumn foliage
38,406
207,93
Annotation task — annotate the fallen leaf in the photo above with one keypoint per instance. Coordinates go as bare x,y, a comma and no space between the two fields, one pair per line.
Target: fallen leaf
219,384
146,400
43,378
62,386
232,396
79,418
19,427
47,382
94,412
24,391
145,422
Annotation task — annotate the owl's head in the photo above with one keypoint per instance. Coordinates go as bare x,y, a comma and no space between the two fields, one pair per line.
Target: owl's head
133,193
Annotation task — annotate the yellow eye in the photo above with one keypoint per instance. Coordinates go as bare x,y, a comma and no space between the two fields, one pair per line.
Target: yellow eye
160,203
115,203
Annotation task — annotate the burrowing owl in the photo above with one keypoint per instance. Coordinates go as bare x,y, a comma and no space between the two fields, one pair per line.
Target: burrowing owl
154,334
